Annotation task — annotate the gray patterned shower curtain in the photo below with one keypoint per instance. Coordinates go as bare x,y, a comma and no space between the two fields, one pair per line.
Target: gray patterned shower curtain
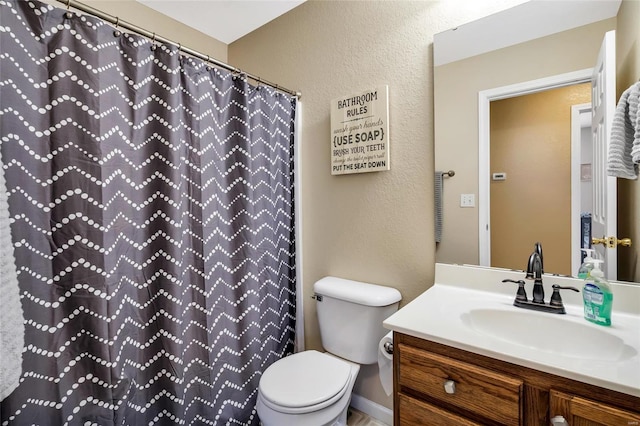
152,218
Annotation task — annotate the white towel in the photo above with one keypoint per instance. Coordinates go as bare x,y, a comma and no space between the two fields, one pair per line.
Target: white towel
624,149
11,317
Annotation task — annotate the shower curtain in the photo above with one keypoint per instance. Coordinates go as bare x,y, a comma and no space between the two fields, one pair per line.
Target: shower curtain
152,221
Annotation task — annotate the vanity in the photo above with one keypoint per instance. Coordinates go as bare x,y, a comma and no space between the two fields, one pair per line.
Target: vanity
464,355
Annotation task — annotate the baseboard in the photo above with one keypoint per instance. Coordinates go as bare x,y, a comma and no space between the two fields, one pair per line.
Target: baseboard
372,409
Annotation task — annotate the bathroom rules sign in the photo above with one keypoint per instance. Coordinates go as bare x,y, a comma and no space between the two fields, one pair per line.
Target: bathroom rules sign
360,132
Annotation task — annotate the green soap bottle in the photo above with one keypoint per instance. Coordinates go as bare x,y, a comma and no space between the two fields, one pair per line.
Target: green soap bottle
597,296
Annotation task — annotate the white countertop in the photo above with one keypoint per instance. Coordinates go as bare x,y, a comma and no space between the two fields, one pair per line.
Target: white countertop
439,315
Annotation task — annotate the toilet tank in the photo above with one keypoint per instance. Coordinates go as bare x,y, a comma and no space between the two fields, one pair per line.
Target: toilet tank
350,314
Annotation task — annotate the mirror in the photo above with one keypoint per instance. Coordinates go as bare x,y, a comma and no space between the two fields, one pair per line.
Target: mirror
525,51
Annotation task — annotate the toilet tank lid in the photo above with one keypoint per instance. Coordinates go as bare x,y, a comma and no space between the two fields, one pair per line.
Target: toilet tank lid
357,292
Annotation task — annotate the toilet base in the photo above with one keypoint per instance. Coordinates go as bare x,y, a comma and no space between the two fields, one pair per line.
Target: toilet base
325,417
318,418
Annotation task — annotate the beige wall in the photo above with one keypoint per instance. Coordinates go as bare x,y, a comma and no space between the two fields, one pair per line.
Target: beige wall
456,117
628,73
531,143
375,227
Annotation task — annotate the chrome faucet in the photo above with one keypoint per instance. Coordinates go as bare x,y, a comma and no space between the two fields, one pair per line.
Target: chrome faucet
535,270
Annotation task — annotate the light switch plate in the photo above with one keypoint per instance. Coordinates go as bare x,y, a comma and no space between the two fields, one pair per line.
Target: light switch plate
467,200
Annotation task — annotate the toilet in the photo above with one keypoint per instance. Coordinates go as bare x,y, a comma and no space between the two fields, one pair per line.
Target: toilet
312,388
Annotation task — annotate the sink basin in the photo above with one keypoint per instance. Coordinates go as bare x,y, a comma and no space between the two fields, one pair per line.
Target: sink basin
548,333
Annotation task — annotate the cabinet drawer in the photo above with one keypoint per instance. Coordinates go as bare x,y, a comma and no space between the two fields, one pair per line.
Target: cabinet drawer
488,394
583,412
418,413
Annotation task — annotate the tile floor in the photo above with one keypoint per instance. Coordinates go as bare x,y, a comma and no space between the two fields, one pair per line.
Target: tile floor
358,418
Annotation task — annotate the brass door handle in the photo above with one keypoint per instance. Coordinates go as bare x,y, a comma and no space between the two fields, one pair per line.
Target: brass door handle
611,242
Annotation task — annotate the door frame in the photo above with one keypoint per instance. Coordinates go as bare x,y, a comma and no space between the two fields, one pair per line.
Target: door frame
484,179
576,194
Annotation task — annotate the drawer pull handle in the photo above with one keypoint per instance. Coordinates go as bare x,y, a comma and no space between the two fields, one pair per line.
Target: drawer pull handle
559,421
450,387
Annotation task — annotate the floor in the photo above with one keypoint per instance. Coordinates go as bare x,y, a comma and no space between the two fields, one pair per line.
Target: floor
358,418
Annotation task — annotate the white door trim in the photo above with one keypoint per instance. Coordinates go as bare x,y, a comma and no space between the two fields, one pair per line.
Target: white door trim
484,98
604,218
576,140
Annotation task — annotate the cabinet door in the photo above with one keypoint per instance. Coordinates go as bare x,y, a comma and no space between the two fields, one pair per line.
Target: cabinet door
488,394
583,412
419,413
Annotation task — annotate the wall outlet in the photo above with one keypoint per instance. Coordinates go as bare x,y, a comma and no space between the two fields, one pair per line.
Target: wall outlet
467,200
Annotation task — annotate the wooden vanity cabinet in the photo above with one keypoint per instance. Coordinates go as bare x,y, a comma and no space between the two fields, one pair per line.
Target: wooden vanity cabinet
438,385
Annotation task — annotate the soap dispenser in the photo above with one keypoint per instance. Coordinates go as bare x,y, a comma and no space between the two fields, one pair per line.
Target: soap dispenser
587,264
597,296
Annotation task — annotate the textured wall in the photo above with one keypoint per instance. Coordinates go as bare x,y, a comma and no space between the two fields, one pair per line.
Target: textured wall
374,227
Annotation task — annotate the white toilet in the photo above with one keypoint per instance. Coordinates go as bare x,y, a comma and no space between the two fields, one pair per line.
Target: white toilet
312,388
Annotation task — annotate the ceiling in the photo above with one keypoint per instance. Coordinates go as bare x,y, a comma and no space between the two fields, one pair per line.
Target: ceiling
229,20
224,20
527,21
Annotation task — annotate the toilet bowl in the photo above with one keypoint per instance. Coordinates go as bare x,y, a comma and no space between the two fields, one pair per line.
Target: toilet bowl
309,388
312,388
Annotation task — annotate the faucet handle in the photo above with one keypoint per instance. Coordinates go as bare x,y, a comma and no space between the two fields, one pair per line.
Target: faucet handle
556,300
521,294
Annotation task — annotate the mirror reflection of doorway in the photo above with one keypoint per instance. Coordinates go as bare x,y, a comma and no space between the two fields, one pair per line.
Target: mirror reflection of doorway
531,147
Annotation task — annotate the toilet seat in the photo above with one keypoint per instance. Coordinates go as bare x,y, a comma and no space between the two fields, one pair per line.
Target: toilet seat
304,382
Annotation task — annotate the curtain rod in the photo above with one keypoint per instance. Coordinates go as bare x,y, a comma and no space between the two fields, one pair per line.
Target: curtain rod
154,37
